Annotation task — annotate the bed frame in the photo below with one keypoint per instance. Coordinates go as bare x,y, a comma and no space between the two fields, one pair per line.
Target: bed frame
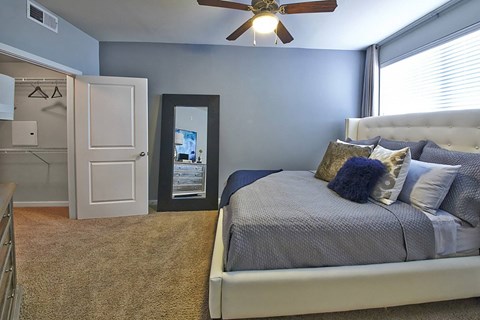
265,293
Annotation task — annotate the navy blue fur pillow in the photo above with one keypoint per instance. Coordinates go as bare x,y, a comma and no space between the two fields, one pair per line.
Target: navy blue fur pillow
356,178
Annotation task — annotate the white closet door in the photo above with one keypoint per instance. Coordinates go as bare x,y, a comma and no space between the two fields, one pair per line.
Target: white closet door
111,140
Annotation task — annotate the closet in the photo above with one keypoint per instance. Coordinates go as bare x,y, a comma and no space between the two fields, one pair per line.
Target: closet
70,150
33,147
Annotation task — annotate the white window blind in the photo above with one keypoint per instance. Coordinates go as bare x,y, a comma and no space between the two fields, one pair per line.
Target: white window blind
440,78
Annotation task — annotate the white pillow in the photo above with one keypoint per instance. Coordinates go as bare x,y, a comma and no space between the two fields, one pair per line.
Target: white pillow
390,184
427,184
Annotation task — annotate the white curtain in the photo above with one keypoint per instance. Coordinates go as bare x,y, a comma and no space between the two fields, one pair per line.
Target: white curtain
371,79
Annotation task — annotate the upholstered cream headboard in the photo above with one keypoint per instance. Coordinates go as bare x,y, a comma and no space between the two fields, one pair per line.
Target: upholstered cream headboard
455,130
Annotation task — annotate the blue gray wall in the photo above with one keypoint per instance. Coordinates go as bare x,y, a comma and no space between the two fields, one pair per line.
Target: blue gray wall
70,46
278,107
464,14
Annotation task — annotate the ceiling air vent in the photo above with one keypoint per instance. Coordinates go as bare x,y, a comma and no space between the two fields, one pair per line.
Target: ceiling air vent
41,16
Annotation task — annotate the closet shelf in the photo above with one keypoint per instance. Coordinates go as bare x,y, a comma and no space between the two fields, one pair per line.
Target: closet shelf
37,150
40,80
34,151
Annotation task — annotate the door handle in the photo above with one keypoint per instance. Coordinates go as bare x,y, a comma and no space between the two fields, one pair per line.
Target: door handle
142,154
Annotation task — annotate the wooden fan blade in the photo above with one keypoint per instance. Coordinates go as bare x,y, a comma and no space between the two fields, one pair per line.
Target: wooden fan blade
283,33
224,4
309,7
241,30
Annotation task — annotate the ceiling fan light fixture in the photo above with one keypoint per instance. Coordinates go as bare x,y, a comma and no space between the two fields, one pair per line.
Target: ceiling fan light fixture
265,22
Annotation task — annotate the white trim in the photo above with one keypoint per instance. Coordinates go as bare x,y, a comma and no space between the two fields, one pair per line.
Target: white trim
36,60
72,184
417,23
29,204
452,36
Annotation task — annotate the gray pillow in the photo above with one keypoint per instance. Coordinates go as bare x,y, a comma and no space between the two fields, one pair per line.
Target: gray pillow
372,141
463,198
335,156
416,148
427,184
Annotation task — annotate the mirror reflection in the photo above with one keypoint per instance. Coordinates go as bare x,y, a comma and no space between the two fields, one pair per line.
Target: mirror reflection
190,152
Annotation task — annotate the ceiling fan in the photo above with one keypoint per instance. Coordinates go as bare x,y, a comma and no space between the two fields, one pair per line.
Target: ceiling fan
265,19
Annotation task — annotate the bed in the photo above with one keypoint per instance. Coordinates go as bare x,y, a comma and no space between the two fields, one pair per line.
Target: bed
264,293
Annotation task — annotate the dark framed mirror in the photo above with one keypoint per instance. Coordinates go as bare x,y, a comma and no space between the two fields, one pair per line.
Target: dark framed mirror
188,173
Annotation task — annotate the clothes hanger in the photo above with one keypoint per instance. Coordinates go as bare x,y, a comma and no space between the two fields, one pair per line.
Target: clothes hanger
56,92
37,91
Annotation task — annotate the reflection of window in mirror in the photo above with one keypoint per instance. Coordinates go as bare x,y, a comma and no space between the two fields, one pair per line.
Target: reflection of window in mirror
191,126
190,145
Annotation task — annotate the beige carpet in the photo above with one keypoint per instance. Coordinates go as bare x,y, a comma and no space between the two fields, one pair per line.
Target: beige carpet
150,267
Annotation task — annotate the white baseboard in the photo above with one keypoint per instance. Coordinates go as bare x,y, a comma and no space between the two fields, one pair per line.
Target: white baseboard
25,204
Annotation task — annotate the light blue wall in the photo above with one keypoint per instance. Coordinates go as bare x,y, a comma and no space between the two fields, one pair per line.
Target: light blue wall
464,14
278,107
70,46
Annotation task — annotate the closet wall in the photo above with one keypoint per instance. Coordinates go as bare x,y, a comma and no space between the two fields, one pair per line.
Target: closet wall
38,180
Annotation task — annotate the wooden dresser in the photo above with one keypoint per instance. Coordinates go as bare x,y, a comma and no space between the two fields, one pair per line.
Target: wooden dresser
188,179
10,293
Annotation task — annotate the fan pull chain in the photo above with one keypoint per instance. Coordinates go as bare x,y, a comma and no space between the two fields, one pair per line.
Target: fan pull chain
276,36
254,38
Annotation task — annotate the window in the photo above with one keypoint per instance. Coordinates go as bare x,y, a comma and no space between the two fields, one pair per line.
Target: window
444,77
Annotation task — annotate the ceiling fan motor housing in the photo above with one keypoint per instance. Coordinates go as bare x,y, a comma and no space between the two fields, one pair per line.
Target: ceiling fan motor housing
264,6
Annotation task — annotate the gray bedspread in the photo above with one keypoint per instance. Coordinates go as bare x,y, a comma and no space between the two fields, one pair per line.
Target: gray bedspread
292,220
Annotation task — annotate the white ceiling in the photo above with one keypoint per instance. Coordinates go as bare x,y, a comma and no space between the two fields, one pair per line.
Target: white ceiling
354,25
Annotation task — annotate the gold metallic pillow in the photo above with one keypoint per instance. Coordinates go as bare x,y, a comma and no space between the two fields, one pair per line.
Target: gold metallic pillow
335,156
